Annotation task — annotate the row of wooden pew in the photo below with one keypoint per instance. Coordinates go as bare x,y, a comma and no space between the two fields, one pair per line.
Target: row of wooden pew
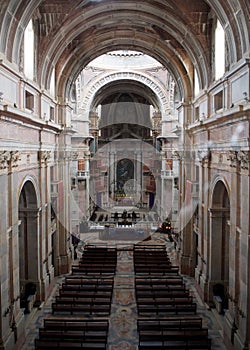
84,296
66,333
167,312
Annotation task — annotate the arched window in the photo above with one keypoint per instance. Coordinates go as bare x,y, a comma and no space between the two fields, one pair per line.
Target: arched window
29,51
52,83
196,83
219,51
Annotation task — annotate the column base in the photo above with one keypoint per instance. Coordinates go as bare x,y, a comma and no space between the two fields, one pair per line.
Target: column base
63,264
17,336
204,286
186,265
228,330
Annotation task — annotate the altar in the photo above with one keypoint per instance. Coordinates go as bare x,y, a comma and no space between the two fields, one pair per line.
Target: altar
129,233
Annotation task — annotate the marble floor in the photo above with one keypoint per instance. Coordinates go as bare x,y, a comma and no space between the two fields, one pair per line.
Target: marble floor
123,318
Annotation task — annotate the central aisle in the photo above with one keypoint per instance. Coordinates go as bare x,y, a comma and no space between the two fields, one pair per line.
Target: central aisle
122,327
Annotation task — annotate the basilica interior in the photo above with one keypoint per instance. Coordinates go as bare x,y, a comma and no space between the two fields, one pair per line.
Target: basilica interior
124,134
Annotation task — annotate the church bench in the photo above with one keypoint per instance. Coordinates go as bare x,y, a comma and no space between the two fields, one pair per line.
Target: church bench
174,338
105,254
86,288
161,288
155,300
161,293
150,254
78,279
82,300
92,270
84,294
94,263
75,324
173,334
200,344
157,261
169,323
153,270
47,344
151,308
74,335
171,286
75,308
159,280
98,260
152,247
149,259
91,249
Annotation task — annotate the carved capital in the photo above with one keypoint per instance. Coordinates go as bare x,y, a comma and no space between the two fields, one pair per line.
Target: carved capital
243,158
4,159
204,155
177,154
74,155
232,158
9,158
44,156
14,158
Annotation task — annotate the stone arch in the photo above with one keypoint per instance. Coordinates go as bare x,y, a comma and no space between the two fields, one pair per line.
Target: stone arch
219,240
156,87
28,242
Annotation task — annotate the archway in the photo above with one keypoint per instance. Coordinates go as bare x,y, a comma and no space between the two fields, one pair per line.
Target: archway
28,243
219,245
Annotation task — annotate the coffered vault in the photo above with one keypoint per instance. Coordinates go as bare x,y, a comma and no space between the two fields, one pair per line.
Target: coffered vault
179,130
72,33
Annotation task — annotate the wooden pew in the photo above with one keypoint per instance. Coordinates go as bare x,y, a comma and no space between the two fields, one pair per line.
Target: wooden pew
84,294
47,344
59,299
76,323
63,333
173,333
166,309
156,270
195,343
92,270
76,308
194,322
161,292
